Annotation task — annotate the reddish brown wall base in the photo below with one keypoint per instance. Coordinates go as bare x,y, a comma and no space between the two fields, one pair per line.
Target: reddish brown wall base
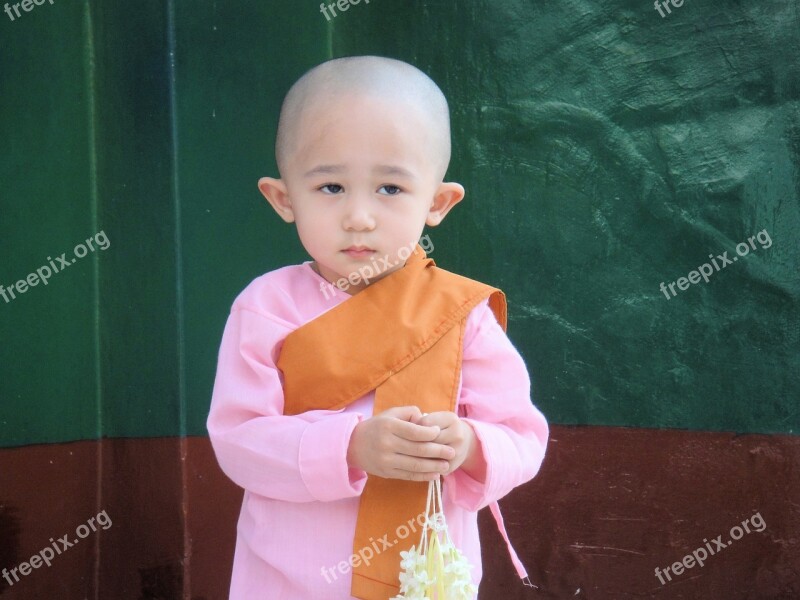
609,506
612,504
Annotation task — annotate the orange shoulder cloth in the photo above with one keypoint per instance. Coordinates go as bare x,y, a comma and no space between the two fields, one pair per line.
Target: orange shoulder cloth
402,337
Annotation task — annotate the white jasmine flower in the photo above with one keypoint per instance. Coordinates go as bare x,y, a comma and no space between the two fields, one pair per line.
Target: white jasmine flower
436,569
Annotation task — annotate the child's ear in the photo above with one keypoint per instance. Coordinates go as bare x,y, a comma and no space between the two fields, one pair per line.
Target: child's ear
446,197
274,190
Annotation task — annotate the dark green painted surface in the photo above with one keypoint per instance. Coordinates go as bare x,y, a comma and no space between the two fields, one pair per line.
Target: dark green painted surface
48,371
604,150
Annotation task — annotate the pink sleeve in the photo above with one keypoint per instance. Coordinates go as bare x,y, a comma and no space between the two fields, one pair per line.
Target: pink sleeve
495,400
301,458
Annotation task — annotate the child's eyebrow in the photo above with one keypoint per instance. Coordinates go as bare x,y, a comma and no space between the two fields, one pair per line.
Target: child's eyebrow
324,170
380,170
393,170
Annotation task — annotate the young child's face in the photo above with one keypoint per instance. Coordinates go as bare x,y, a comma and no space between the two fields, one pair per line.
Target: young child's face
362,174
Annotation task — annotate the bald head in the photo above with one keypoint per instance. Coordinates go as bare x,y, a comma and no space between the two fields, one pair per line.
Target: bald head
383,78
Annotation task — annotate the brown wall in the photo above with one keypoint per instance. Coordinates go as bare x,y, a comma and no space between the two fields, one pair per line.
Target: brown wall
610,505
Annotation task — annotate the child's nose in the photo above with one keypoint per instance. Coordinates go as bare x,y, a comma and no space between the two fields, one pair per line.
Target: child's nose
358,213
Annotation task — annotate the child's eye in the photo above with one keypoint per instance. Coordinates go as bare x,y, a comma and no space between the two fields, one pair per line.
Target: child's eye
333,188
391,190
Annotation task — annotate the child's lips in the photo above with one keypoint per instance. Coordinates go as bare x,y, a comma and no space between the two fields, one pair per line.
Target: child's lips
358,251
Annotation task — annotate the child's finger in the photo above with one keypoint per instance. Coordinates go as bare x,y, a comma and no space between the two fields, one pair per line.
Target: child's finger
443,419
415,466
425,449
404,413
415,433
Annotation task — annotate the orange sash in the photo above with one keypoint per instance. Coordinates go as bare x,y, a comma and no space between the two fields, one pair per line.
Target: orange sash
402,337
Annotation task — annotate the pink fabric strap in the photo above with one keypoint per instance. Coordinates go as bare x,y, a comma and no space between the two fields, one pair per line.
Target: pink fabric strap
498,517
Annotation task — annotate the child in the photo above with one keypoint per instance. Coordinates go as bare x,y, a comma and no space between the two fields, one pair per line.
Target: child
347,383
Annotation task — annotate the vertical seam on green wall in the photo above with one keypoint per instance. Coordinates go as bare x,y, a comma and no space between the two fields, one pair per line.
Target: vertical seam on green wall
178,237
92,138
179,301
329,38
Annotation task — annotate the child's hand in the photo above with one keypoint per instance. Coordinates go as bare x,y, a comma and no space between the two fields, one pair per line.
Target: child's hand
460,436
391,445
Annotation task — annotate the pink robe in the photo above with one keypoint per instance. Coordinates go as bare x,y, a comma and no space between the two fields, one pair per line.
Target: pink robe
295,530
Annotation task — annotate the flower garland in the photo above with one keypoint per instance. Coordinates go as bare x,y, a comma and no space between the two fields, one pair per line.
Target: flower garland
436,570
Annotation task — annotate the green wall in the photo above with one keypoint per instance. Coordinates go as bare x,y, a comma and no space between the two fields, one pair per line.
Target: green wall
604,149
